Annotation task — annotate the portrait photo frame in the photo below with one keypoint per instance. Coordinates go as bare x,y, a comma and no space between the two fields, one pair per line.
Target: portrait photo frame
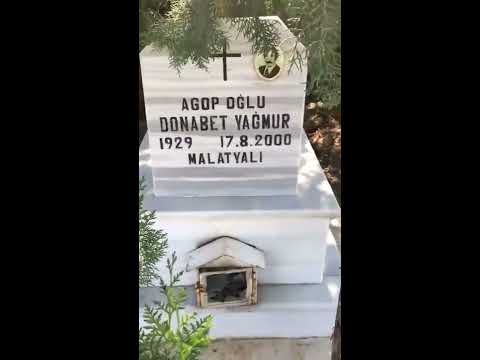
261,68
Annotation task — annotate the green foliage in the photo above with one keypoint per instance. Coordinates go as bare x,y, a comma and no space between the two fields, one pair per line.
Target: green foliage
191,31
152,243
170,335
317,25
147,11
240,8
260,33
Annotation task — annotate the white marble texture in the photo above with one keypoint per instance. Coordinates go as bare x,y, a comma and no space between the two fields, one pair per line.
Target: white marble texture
163,93
283,311
298,289
225,252
292,230
314,196
284,209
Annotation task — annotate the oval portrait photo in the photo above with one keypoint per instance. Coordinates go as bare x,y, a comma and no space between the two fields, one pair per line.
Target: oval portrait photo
269,64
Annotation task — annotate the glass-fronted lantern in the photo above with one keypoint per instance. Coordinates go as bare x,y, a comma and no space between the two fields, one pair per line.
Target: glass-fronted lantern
226,272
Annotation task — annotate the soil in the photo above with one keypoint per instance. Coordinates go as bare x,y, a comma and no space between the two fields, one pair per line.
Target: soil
324,132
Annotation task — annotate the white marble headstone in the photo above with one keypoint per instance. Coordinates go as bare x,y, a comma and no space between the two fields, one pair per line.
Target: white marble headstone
225,132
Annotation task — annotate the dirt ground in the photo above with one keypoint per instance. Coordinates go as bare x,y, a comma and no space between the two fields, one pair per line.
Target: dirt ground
268,349
324,131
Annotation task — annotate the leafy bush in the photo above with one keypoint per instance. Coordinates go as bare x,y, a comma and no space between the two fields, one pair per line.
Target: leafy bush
152,243
317,25
169,334
191,31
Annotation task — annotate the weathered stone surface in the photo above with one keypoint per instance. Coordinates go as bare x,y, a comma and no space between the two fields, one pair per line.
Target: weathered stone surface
269,349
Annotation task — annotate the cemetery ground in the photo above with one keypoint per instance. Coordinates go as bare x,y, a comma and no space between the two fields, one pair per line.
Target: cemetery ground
324,131
268,349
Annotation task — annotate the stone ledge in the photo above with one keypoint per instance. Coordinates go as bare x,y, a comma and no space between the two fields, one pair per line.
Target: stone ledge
283,311
315,196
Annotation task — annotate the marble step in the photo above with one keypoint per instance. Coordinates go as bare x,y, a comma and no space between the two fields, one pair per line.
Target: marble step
283,311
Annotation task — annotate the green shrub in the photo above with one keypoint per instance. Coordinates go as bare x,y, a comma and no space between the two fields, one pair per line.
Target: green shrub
152,243
170,334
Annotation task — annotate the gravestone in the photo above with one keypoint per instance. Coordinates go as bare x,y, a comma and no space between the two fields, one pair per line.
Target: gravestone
234,130
264,216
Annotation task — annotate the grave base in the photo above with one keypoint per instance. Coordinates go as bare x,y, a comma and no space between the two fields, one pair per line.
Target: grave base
298,289
283,311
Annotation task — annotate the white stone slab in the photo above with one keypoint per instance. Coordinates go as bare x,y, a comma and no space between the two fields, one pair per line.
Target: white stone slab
294,247
283,311
292,231
314,196
223,135
238,252
332,256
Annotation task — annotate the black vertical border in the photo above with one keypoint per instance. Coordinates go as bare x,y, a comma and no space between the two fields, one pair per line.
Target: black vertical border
71,186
